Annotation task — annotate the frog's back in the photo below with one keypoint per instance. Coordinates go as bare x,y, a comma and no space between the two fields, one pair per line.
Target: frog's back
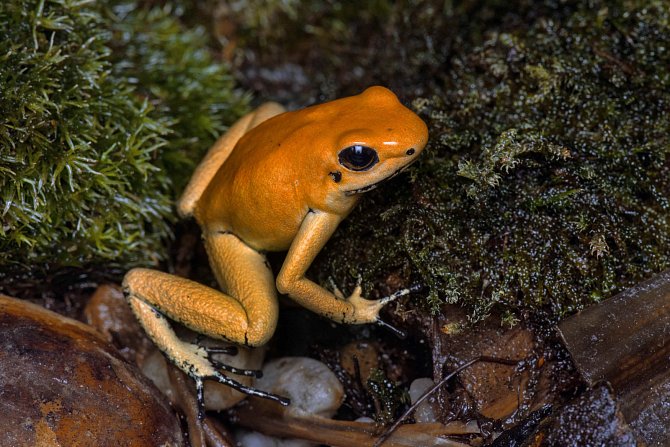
256,193
219,153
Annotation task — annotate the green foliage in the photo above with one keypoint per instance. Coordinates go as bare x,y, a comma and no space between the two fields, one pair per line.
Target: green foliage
269,21
174,66
387,395
85,153
546,181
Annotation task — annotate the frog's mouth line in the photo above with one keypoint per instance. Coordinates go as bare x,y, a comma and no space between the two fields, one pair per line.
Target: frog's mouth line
374,185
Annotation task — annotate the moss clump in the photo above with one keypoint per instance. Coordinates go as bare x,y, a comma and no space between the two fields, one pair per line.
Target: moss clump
86,154
174,67
300,52
312,51
387,396
546,182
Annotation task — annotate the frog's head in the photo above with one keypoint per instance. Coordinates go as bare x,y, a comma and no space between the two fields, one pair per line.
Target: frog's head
371,137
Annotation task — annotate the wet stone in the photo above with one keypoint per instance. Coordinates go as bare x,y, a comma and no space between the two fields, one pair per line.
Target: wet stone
591,419
62,384
311,386
493,390
625,341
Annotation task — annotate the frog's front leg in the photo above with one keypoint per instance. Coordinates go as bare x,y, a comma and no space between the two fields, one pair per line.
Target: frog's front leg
314,232
246,315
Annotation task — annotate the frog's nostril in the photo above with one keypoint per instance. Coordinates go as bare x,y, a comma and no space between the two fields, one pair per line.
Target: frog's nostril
410,151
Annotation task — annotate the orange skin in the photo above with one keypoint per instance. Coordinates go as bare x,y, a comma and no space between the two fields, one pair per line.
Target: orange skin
275,181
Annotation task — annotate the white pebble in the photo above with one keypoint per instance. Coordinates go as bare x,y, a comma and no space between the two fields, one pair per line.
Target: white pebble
311,386
425,412
365,419
255,439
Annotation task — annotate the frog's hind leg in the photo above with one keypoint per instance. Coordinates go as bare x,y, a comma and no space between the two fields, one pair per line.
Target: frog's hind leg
246,275
218,154
247,316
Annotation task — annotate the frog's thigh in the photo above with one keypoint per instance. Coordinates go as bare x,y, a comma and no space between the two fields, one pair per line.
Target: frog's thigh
245,274
201,308
218,154
247,314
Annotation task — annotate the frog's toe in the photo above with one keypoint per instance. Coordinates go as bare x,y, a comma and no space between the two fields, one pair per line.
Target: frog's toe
238,371
356,294
338,293
399,333
402,292
227,350
200,398
248,390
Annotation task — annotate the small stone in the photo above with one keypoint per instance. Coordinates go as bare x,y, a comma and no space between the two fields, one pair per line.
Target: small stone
366,420
311,386
366,354
255,439
425,412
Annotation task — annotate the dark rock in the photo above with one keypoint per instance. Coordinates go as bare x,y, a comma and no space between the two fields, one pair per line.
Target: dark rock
625,341
592,419
61,383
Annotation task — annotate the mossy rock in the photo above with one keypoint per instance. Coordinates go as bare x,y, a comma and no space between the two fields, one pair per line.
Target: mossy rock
546,183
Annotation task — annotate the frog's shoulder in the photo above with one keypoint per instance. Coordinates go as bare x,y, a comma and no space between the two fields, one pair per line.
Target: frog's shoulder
218,154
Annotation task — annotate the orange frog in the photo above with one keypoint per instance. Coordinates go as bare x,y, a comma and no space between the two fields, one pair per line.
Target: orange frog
275,181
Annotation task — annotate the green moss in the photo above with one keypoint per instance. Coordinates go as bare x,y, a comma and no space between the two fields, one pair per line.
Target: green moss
545,184
387,396
293,22
311,51
174,66
88,156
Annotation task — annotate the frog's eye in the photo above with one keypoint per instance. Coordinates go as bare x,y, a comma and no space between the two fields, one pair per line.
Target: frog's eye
358,158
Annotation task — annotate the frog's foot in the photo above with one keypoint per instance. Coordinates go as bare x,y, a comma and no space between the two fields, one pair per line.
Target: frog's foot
336,290
200,366
367,311
250,391
362,310
228,350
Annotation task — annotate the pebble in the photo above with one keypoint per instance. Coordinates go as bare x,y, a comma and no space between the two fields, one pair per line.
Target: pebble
310,384
255,439
312,388
425,412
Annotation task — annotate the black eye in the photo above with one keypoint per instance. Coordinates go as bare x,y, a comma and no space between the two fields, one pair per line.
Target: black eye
358,158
